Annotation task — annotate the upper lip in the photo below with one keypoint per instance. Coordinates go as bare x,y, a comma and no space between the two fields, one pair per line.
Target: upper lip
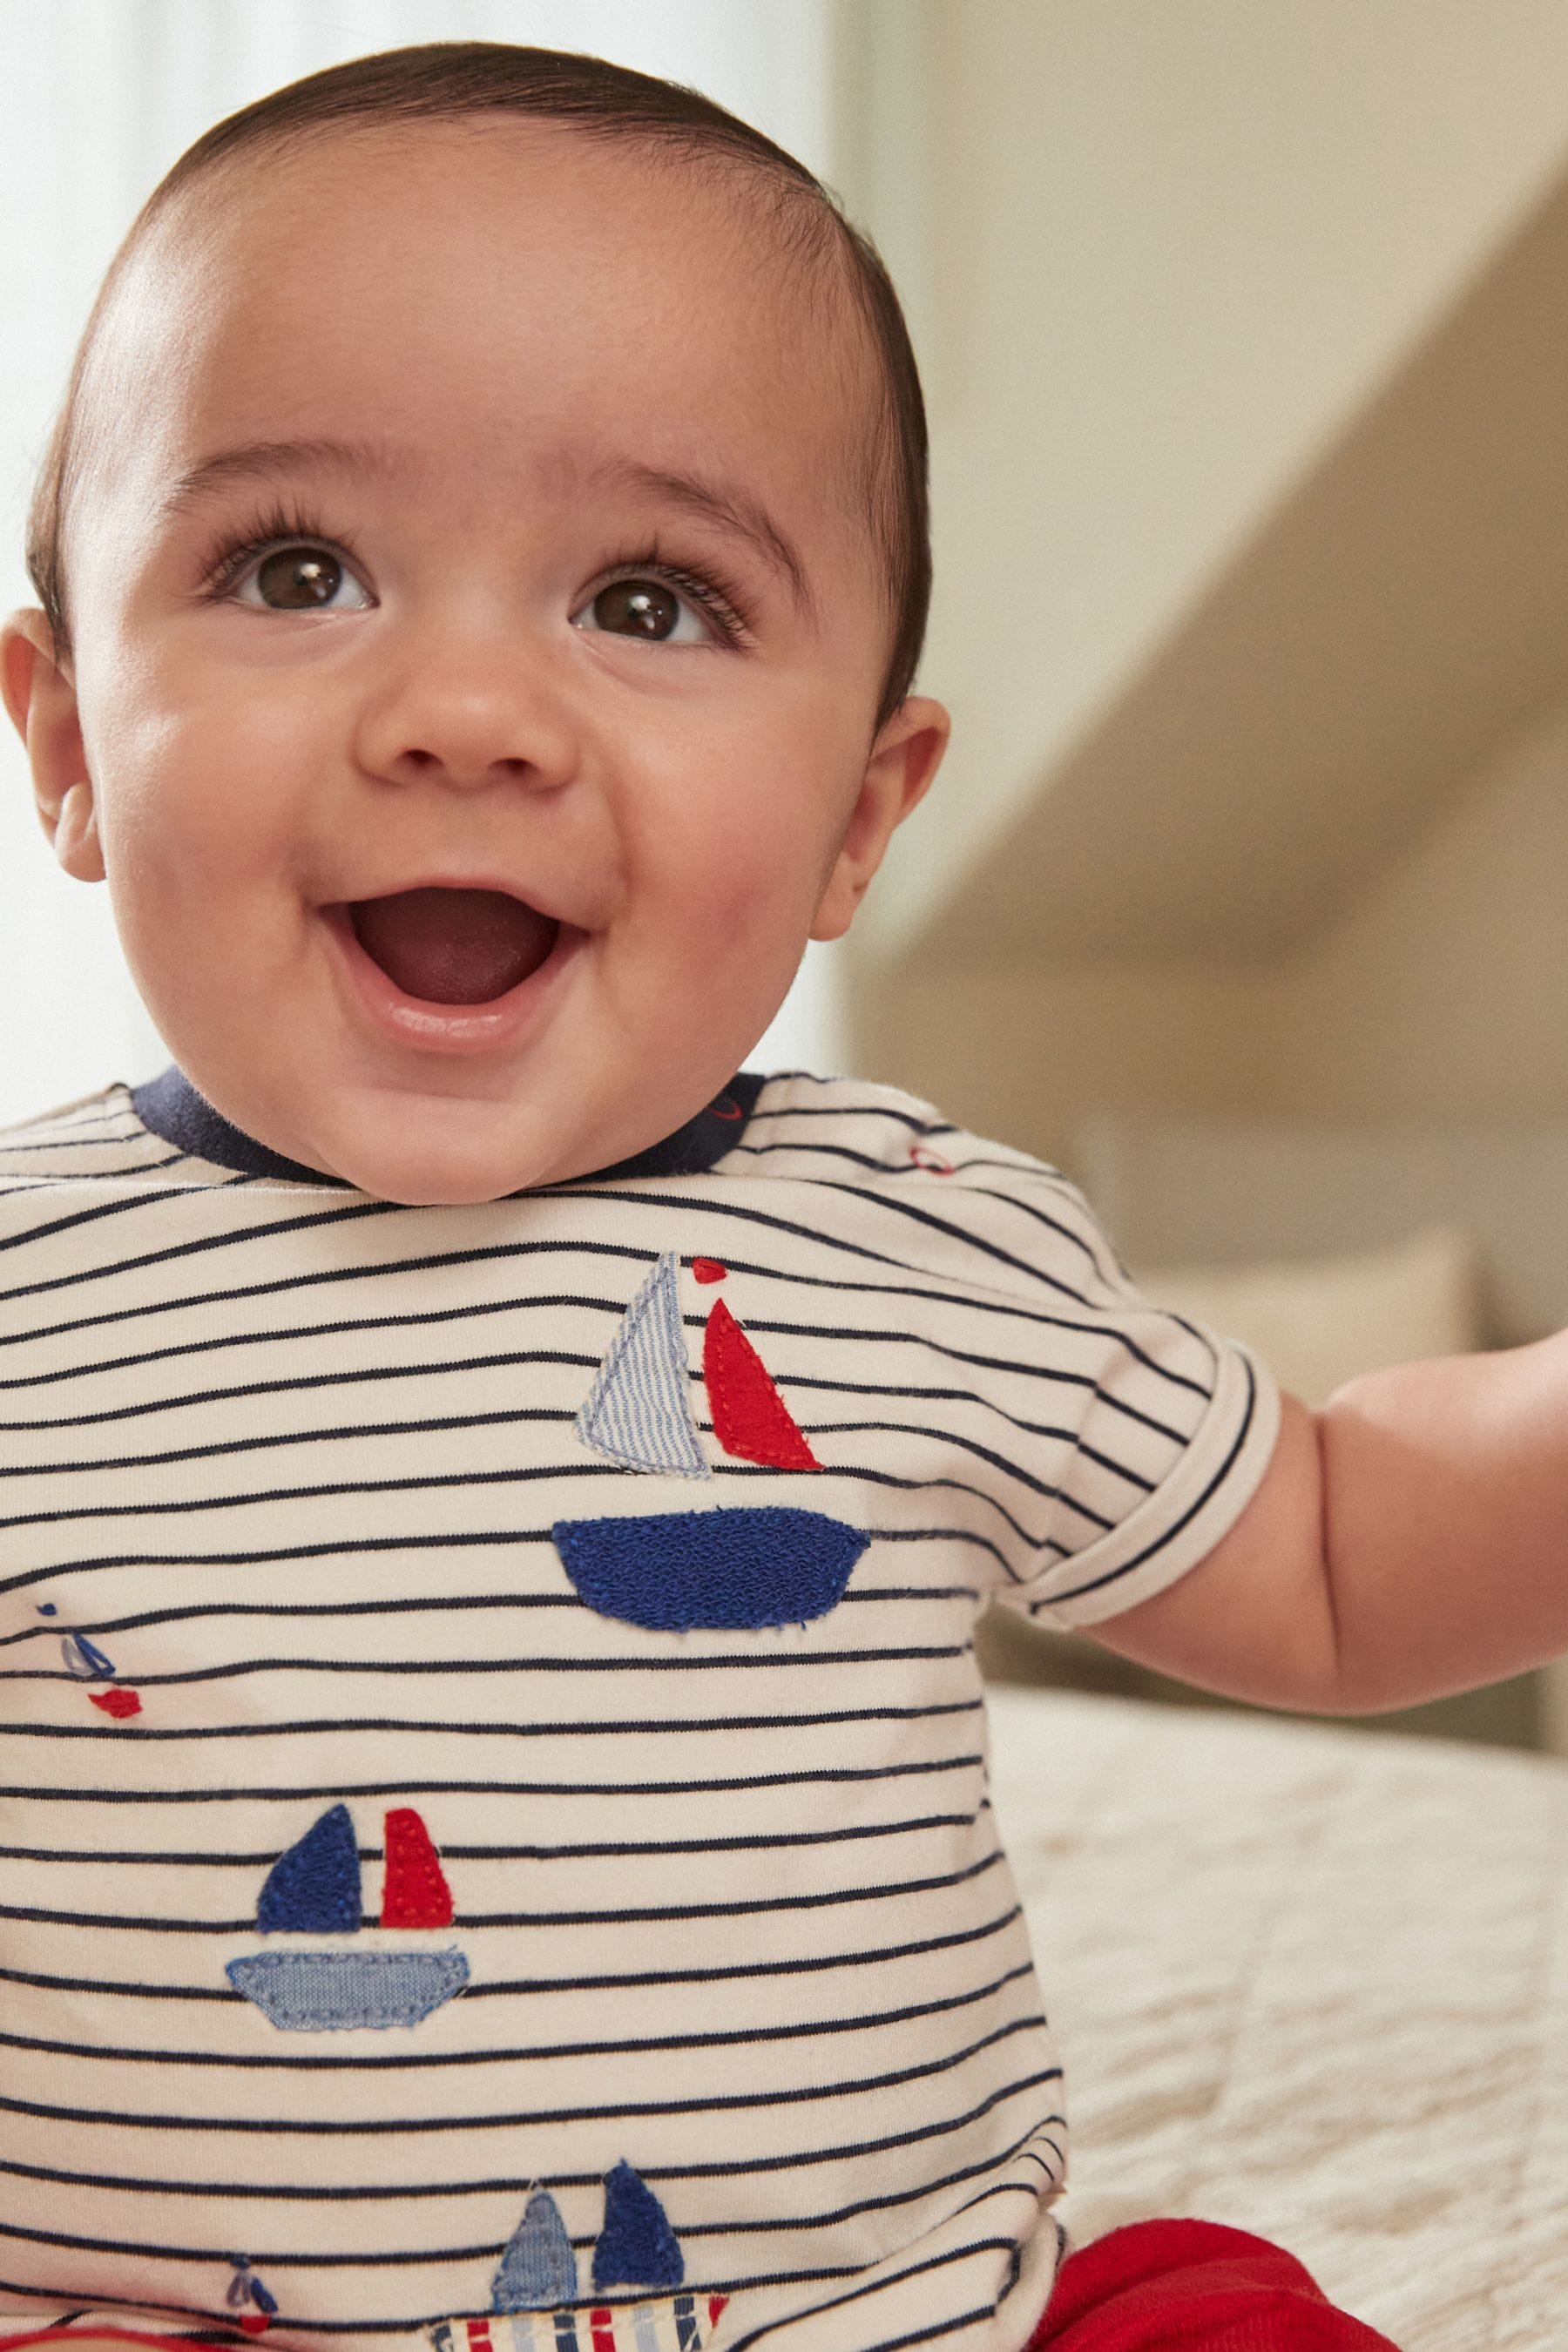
541,903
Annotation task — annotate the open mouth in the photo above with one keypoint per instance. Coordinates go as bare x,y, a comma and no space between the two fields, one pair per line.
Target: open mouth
454,947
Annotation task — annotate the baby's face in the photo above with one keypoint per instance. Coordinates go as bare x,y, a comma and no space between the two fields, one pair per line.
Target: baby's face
472,510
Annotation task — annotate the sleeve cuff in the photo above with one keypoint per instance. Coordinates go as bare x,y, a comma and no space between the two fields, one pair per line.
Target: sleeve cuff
1180,1523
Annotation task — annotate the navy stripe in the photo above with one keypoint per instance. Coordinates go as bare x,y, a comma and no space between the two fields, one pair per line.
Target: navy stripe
284,1792
847,1834
621,1916
641,1980
726,2102
803,2030
1169,1533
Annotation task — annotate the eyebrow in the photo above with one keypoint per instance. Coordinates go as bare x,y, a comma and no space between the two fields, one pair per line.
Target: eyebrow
256,461
732,510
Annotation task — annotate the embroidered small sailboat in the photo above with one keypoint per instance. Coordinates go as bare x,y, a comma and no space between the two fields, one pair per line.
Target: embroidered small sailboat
84,1659
85,1663
248,2296
533,2296
313,1888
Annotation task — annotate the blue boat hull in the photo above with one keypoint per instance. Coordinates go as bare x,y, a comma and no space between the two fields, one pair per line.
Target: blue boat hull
674,1571
318,1992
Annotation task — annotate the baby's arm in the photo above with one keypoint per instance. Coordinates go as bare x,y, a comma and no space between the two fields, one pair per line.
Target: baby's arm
1409,1540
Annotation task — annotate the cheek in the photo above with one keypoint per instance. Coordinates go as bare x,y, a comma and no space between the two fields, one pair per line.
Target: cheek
746,887
209,772
744,834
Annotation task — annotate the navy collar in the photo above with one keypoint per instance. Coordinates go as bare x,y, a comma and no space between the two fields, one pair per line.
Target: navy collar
171,1107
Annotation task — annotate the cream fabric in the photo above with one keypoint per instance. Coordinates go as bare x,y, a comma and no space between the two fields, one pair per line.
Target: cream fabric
1314,1983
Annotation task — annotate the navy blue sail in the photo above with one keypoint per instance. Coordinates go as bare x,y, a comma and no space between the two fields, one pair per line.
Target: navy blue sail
314,1888
85,1659
637,2247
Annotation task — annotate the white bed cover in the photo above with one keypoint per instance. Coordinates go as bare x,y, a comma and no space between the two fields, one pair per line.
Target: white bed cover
1312,1982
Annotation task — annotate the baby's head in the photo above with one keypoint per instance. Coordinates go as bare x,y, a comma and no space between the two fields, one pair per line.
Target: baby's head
483,562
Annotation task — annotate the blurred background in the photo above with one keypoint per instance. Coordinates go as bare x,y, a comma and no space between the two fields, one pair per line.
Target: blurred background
1244,326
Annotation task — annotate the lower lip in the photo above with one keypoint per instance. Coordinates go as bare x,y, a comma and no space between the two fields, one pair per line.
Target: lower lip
446,1028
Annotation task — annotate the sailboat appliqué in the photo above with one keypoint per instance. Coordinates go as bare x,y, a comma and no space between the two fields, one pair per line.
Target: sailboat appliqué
313,1888
636,2258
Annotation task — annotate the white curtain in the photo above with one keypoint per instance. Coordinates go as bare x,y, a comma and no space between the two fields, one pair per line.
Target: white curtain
97,99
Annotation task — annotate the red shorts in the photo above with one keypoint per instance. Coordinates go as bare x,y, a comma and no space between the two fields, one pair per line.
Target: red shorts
1193,2286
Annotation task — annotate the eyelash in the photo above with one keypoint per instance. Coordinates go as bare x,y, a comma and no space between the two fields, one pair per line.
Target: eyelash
719,597
228,558
269,528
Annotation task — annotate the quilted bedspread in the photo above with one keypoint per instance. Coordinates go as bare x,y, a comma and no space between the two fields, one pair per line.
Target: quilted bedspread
1312,1982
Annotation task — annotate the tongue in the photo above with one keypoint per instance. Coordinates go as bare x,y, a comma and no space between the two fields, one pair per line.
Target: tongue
453,946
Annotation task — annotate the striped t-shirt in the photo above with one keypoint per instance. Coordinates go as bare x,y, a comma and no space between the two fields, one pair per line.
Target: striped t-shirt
496,1839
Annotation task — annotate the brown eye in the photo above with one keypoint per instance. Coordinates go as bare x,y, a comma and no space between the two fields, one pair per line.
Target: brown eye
638,608
299,578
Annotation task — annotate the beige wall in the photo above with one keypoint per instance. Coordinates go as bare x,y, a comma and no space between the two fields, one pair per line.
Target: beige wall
1156,256
1025,1054
1245,330
1442,995
1445,992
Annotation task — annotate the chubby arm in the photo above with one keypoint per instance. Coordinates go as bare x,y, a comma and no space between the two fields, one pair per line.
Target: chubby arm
1408,1540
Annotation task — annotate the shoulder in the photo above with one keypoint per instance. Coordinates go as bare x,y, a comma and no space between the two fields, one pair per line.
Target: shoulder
879,1130
104,1142
97,1136
1021,1221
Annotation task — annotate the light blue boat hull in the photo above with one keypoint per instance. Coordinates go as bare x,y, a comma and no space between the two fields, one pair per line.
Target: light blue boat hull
318,1992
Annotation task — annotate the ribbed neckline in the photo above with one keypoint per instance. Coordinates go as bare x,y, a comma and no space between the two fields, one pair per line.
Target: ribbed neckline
171,1108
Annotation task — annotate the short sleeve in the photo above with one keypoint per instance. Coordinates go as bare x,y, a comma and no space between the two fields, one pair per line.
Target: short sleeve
1129,1440
1003,1376
1171,1445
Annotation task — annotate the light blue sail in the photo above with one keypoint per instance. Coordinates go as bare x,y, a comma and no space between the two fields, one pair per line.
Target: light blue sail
538,2270
639,1411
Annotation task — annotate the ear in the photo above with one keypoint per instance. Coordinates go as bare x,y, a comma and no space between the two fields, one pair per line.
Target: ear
41,698
904,758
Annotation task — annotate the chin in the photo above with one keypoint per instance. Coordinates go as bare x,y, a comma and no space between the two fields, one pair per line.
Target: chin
439,1158
434,1178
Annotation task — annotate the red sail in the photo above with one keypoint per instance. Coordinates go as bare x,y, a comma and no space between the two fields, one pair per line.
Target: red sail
414,1893
750,1417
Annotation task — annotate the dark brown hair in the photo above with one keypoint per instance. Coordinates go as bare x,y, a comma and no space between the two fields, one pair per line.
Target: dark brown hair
449,80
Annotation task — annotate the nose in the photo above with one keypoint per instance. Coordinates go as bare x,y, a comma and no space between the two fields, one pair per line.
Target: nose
468,707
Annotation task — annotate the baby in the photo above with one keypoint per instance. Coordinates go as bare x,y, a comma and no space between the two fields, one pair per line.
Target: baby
498,1502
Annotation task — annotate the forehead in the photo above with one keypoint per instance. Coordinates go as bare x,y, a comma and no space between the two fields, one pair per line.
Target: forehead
488,302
